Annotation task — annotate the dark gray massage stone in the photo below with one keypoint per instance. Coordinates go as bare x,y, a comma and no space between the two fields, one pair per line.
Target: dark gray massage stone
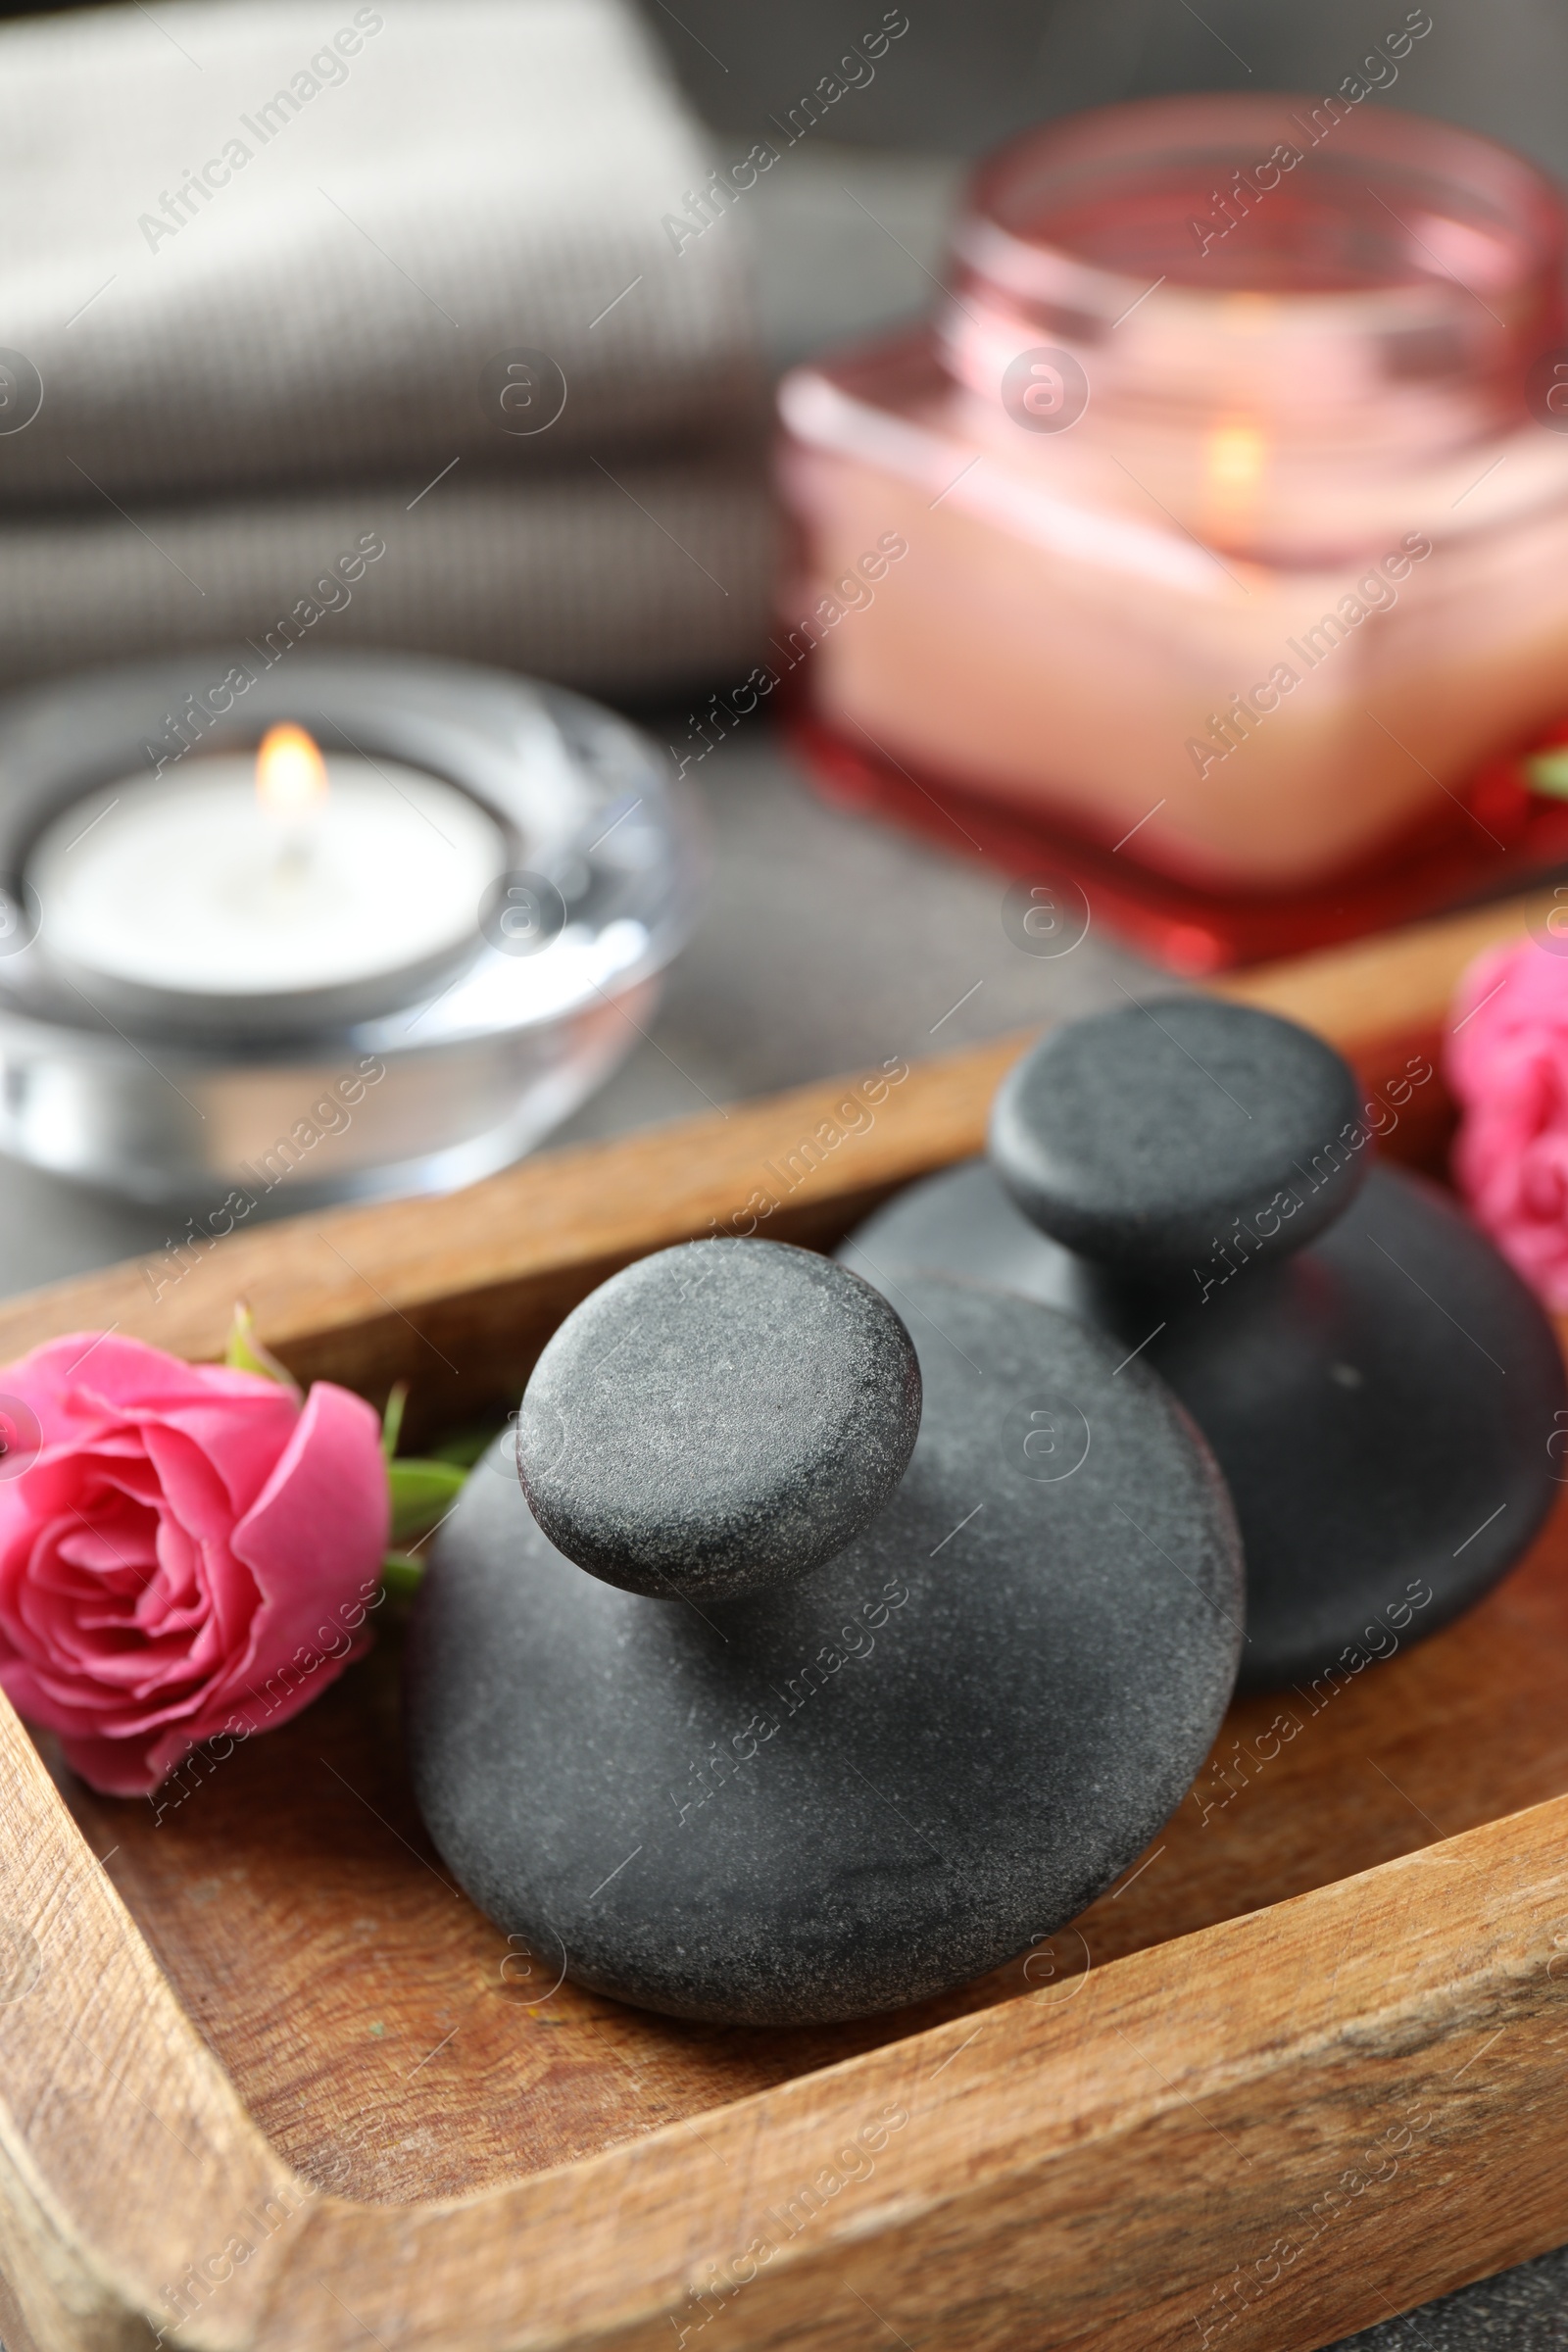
1380,1402
878,1781
1144,1136
718,1418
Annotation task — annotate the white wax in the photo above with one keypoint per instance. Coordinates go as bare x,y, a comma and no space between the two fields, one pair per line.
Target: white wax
187,884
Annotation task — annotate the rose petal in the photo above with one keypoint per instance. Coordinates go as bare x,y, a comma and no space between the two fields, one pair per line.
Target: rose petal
190,1549
1507,1064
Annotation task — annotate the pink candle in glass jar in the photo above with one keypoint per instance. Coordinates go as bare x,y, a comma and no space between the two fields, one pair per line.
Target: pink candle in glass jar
1233,504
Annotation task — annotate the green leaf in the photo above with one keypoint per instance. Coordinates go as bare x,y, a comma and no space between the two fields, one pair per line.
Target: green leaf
422,1493
245,1353
1547,771
392,1418
402,1574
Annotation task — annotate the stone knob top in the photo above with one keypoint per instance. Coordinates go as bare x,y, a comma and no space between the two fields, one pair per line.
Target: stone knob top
1174,1139
718,1419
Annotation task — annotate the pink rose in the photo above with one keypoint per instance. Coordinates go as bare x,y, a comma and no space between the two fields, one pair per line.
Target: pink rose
1507,1064
190,1553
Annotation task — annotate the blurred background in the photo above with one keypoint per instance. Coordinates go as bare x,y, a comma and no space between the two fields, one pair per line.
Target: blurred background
241,386
296,385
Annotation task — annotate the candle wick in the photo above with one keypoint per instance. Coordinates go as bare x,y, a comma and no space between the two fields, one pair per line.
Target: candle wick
295,855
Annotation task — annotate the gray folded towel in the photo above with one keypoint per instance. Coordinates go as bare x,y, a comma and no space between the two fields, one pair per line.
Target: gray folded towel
624,583
253,247
479,175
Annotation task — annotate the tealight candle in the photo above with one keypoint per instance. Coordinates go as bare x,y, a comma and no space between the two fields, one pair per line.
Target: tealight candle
248,894
393,970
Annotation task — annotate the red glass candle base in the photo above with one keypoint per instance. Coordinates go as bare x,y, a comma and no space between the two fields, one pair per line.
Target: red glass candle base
1500,838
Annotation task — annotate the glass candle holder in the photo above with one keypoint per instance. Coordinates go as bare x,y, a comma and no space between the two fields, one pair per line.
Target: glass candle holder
128,1064
1211,538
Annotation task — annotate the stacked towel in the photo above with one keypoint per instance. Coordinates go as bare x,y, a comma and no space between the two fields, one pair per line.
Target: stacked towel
278,283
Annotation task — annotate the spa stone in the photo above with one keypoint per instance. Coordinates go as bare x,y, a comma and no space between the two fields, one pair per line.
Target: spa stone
881,1780
718,1418
1144,1136
1380,1401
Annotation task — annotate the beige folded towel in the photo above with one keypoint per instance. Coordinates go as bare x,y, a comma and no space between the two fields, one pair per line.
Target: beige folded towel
262,259
256,241
629,583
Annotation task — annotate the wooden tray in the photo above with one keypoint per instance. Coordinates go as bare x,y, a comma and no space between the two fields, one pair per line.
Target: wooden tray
268,2079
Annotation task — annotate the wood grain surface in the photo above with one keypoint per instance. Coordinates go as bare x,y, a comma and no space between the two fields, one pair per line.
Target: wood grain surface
386,2040
270,1988
1264,2134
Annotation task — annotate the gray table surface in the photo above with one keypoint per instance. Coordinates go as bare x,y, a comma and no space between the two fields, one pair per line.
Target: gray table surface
829,943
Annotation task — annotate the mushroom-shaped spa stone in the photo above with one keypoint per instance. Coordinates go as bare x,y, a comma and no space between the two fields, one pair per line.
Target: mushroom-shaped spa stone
871,1784
718,1418
1379,1387
1147,1137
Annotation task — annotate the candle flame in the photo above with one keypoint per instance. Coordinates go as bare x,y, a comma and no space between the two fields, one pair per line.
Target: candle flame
1235,457
1235,460
290,773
